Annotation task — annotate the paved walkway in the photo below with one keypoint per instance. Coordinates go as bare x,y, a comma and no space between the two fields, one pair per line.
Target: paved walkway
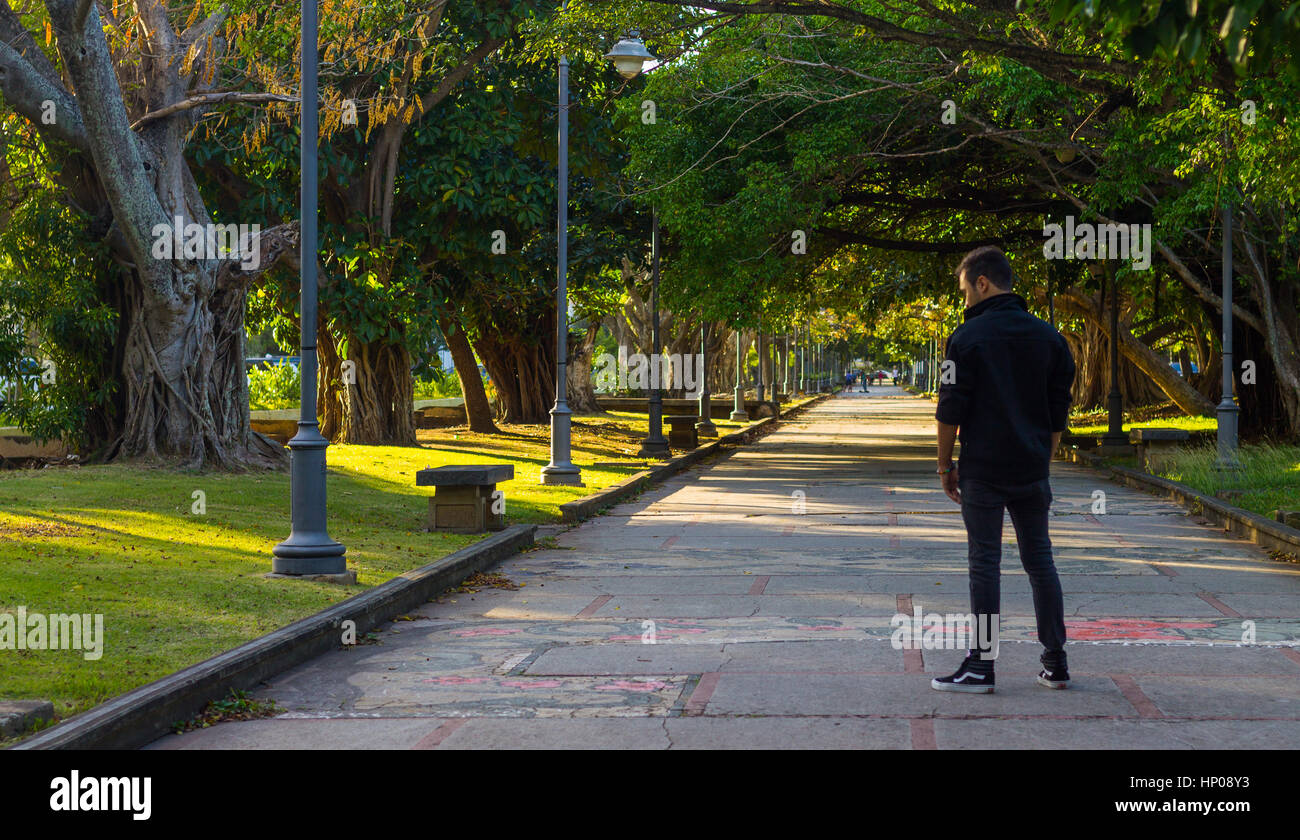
767,580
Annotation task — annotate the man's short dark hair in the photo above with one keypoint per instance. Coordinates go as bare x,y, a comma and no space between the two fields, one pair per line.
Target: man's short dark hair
989,261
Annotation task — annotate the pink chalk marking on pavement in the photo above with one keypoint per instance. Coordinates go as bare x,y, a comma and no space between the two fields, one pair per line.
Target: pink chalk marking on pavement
531,684
455,680
759,584
632,685
668,543
1131,628
485,631
659,633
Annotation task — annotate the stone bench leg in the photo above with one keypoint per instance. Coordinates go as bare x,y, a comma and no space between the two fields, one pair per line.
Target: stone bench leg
464,510
1156,454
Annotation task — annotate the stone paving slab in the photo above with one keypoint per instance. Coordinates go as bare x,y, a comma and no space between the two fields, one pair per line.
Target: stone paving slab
906,694
1113,735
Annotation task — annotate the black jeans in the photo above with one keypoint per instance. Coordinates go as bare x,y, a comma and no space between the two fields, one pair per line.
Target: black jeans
981,508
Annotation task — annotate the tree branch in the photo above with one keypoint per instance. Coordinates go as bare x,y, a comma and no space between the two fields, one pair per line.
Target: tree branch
202,99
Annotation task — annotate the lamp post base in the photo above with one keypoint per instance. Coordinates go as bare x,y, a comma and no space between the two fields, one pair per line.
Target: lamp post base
347,578
654,448
559,475
309,549
561,470
1227,461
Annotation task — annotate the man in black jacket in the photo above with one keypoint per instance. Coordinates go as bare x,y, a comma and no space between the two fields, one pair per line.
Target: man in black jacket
1005,383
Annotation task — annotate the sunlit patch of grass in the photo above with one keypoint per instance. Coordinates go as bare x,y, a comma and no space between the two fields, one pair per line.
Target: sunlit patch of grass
1088,425
176,586
1269,479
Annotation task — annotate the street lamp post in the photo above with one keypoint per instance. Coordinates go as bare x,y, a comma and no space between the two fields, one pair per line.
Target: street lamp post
803,362
704,426
738,411
758,380
308,549
628,56
655,445
561,469
785,368
1228,411
1114,438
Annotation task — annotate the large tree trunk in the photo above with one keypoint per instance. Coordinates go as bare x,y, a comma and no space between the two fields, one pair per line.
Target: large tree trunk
185,397
516,341
1181,392
580,390
370,401
478,412
186,390
1091,350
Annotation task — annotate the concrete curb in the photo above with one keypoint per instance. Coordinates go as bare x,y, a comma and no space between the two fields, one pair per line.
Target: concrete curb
1242,523
588,506
147,713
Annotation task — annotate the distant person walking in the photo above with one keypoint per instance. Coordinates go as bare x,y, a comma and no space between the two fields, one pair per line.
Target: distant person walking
1008,394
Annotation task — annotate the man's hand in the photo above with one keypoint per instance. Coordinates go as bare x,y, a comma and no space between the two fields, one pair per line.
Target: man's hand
949,481
947,441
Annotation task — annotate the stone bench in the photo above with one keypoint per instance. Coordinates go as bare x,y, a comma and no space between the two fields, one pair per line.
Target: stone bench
1154,445
464,497
682,433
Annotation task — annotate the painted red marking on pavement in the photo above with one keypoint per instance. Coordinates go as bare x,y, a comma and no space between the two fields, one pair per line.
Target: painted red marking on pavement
893,519
904,603
1164,570
1218,605
923,734
789,529
913,662
668,543
1129,688
702,694
437,736
893,541
590,610
759,584
1291,654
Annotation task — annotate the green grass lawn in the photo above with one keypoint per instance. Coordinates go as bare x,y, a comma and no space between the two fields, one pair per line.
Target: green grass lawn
176,587
1270,478
1163,415
1191,424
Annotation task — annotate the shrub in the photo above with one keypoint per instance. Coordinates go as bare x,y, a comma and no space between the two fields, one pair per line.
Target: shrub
276,387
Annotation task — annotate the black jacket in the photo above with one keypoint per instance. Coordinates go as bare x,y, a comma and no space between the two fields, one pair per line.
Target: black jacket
1008,388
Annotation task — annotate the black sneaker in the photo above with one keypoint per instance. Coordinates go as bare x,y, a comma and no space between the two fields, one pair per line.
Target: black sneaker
1058,677
966,679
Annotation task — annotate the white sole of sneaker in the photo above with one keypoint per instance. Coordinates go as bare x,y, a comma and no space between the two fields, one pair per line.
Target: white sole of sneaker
1053,684
963,689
